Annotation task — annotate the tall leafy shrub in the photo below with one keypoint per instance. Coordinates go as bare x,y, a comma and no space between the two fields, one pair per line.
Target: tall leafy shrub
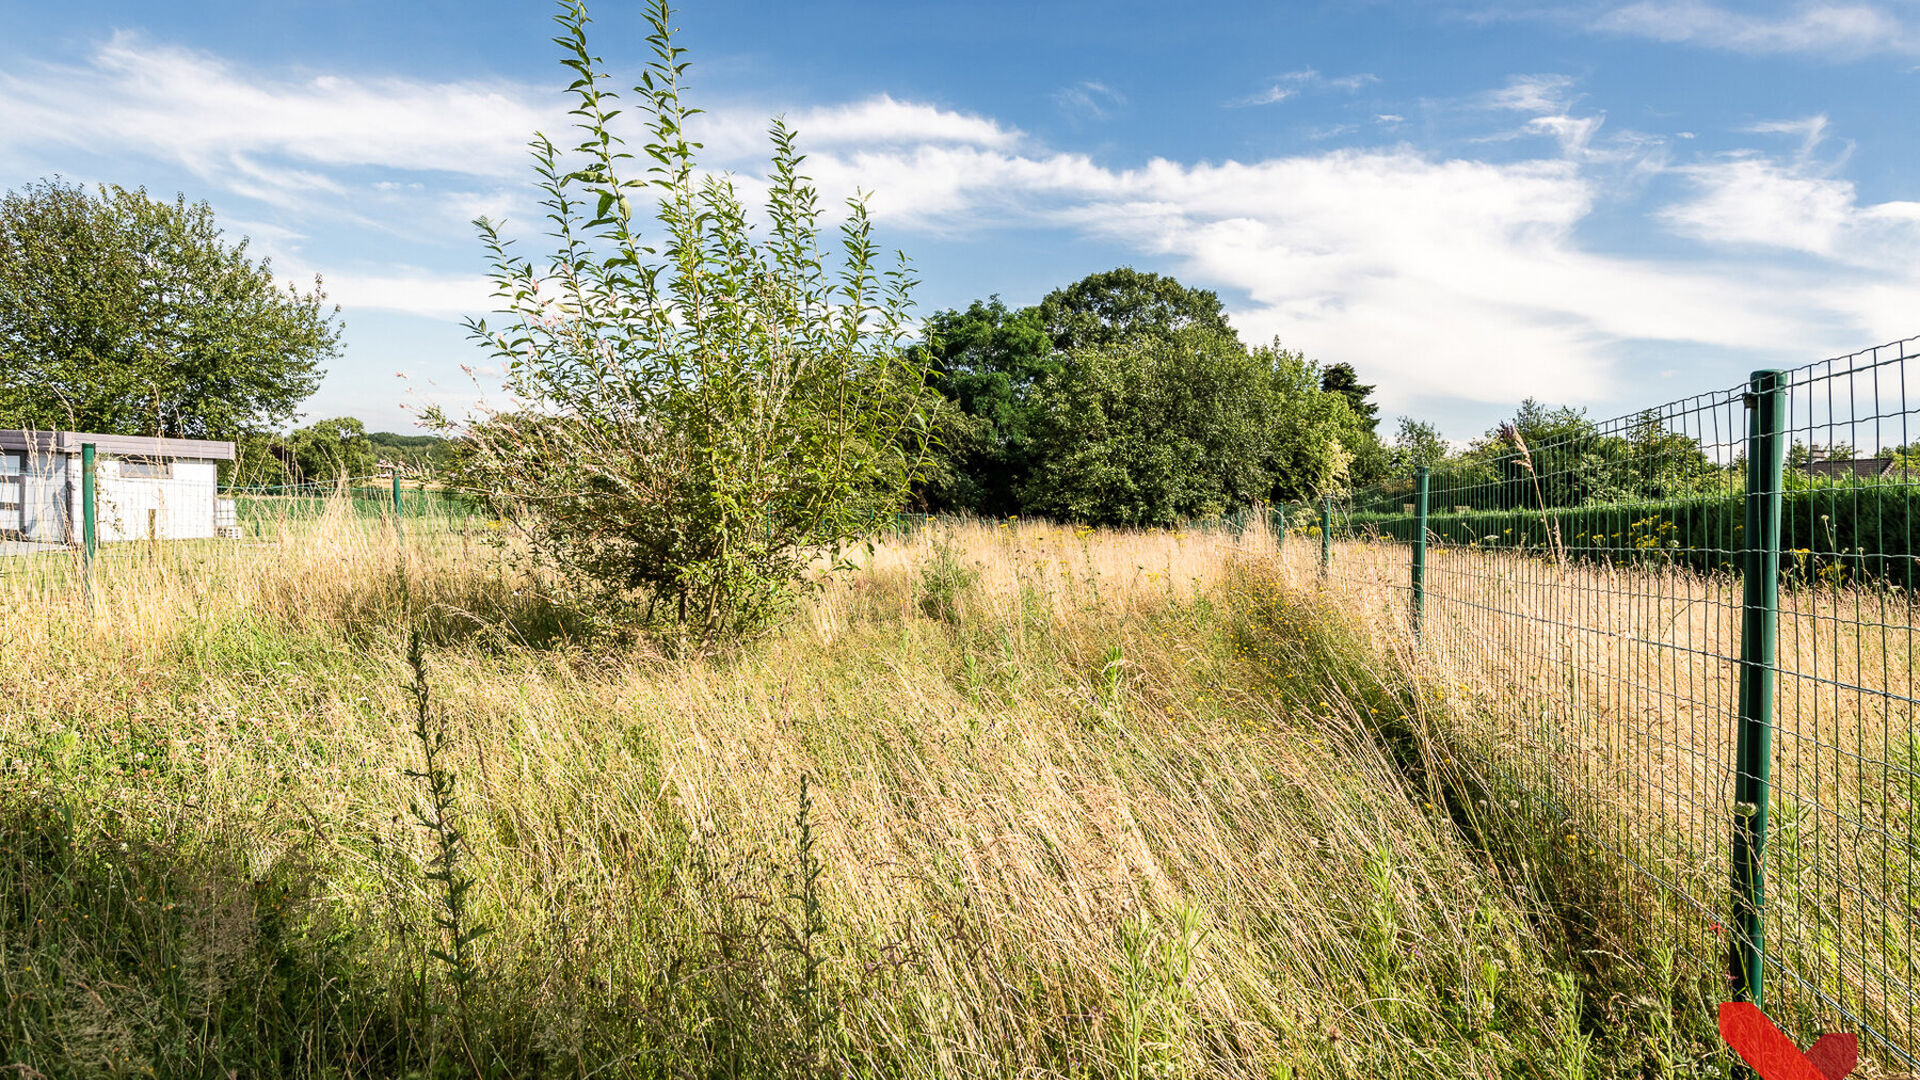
702,408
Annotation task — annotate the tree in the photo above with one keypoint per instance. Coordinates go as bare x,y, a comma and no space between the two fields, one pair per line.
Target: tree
1150,432
1311,444
1121,306
415,454
1340,379
328,450
988,361
121,314
1159,430
699,415
1417,443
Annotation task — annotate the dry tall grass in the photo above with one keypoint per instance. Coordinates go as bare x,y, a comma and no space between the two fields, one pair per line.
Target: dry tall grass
1076,804
1620,684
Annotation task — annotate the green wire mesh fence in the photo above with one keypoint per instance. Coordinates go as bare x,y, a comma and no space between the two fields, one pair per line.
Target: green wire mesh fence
260,506
1689,632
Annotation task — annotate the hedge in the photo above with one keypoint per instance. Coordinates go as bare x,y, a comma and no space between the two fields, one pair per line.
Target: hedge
1835,534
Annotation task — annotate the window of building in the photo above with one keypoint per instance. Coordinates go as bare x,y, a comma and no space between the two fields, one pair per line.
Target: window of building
134,468
11,466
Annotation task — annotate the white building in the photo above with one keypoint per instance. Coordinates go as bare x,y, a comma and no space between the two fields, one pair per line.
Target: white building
144,488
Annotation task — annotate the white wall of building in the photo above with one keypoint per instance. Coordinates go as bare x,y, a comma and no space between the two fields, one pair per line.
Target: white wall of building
179,506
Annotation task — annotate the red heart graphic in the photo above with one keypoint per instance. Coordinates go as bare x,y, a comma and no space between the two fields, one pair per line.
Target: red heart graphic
1774,1057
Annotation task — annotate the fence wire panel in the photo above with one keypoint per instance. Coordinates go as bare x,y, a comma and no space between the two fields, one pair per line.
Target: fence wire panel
1583,593
1841,863
167,527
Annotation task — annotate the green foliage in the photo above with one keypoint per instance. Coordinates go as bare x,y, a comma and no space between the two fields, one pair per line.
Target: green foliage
1416,443
1340,379
330,449
446,872
1311,447
989,361
945,580
326,450
137,946
1830,534
417,454
1124,307
1168,430
121,314
1554,457
1149,433
699,413
1126,398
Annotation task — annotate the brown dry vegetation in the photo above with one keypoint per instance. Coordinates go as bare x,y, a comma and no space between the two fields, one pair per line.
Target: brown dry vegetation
1617,685
1013,801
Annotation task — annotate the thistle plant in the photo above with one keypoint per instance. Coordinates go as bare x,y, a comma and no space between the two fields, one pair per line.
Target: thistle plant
700,409
438,814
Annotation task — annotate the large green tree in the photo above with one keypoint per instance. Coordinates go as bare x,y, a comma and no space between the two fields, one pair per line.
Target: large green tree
1127,306
122,314
1416,443
1159,430
1150,432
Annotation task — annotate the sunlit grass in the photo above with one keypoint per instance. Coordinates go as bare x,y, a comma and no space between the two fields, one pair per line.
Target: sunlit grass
1123,804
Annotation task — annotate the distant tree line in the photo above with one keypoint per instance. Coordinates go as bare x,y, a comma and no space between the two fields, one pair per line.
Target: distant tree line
327,451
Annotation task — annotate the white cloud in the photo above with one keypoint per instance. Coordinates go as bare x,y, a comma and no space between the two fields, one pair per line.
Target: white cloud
218,120
1811,131
739,132
1534,94
413,291
1446,278
1840,30
1439,277
1272,95
1749,201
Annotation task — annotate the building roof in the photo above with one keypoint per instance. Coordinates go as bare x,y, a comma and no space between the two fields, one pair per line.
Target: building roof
1851,469
69,442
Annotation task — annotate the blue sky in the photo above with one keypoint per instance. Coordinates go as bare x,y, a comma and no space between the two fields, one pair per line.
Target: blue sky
1607,204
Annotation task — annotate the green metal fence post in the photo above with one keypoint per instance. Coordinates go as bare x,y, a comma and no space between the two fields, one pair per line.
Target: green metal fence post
396,494
89,532
1766,402
1419,548
1326,533
1277,524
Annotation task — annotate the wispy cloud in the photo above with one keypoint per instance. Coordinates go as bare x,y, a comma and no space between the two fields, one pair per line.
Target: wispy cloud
1088,100
1272,95
1448,278
1810,130
219,120
1294,83
1543,94
1837,29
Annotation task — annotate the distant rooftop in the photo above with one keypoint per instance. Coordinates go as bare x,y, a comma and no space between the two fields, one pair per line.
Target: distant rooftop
1852,469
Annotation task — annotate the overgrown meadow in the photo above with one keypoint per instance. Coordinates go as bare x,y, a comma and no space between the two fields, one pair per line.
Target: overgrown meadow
1007,800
